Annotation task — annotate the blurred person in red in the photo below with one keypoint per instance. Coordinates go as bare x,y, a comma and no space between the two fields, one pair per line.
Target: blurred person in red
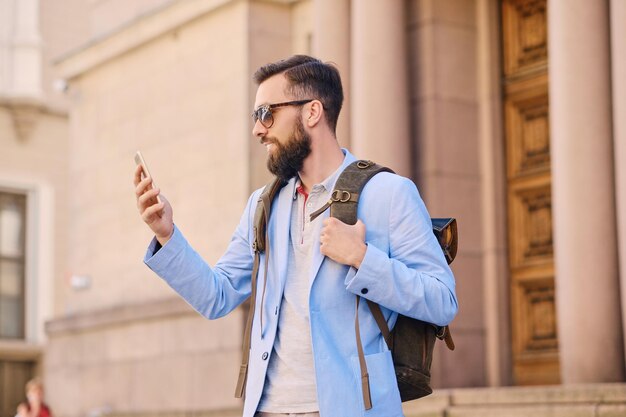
34,406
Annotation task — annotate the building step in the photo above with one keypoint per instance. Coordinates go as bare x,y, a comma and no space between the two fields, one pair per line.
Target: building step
588,400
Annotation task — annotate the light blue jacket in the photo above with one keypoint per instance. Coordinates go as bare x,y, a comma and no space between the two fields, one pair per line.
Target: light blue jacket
404,271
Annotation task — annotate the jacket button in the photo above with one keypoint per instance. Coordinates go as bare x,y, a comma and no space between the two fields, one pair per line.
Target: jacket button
264,356
364,291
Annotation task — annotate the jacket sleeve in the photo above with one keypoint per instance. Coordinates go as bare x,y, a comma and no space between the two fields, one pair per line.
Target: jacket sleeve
212,291
412,277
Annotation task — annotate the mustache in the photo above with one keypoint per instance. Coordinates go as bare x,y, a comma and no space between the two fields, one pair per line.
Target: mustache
267,140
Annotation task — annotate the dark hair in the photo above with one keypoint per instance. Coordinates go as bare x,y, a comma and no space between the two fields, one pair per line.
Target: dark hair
309,77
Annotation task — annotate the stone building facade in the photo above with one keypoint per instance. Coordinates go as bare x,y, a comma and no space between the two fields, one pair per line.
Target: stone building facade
508,114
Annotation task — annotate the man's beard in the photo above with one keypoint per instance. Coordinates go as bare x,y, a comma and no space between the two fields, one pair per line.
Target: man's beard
286,160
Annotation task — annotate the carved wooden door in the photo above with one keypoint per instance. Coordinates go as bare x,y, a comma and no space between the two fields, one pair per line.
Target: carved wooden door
13,378
529,200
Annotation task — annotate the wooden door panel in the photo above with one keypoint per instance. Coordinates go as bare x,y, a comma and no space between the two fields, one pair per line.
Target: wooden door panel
527,127
530,224
529,195
13,378
524,35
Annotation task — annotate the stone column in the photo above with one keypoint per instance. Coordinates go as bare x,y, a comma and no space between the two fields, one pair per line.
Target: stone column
587,286
331,42
26,50
492,192
379,93
618,60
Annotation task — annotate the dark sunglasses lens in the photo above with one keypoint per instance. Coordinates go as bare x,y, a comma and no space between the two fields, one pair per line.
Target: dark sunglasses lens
266,117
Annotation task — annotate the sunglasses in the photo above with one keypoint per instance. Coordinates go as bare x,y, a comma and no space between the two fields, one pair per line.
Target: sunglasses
264,113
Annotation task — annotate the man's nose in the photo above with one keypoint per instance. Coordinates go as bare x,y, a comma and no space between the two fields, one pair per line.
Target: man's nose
258,130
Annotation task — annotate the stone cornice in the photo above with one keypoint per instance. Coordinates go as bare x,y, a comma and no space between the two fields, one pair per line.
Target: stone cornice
133,34
19,350
118,315
138,31
25,112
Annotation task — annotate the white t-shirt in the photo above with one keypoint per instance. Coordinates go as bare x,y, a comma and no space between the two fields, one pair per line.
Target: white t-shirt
290,381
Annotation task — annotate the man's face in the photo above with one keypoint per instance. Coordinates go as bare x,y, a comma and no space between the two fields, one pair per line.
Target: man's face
286,140
287,159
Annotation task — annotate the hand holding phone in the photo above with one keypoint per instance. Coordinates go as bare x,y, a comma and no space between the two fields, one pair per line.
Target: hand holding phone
154,209
139,160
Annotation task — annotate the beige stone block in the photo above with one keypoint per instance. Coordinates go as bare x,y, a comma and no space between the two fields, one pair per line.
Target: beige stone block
612,410
229,412
93,387
442,62
138,283
589,393
425,413
116,385
209,218
108,15
456,197
62,351
213,377
452,12
270,19
162,383
263,47
468,272
612,392
464,366
445,146
93,347
424,131
524,411
195,334
434,405
197,110
455,57
457,142
422,66
64,389
63,27
302,27
134,342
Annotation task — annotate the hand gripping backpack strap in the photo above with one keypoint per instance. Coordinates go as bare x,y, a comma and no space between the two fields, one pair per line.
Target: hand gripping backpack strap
260,244
345,196
343,206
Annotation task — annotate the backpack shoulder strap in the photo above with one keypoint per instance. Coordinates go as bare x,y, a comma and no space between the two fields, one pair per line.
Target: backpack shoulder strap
348,189
343,205
344,199
262,212
260,244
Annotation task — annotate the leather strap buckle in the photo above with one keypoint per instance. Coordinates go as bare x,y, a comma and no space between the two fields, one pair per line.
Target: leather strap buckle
363,164
341,196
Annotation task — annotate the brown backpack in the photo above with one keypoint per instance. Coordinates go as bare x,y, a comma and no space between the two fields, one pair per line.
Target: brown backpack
411,341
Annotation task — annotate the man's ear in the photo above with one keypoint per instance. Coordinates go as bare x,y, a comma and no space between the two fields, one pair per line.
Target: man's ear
314,113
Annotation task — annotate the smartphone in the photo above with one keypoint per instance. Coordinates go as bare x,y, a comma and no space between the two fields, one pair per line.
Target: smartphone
139,160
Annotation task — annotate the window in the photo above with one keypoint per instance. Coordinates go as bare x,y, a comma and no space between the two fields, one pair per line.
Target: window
12,265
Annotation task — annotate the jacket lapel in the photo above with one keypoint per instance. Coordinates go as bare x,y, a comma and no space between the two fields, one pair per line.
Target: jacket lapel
318,258
280,220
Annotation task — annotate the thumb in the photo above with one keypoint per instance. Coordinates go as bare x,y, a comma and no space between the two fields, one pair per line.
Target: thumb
360,227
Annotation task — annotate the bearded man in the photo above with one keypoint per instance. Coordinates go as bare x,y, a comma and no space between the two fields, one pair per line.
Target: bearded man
303,356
